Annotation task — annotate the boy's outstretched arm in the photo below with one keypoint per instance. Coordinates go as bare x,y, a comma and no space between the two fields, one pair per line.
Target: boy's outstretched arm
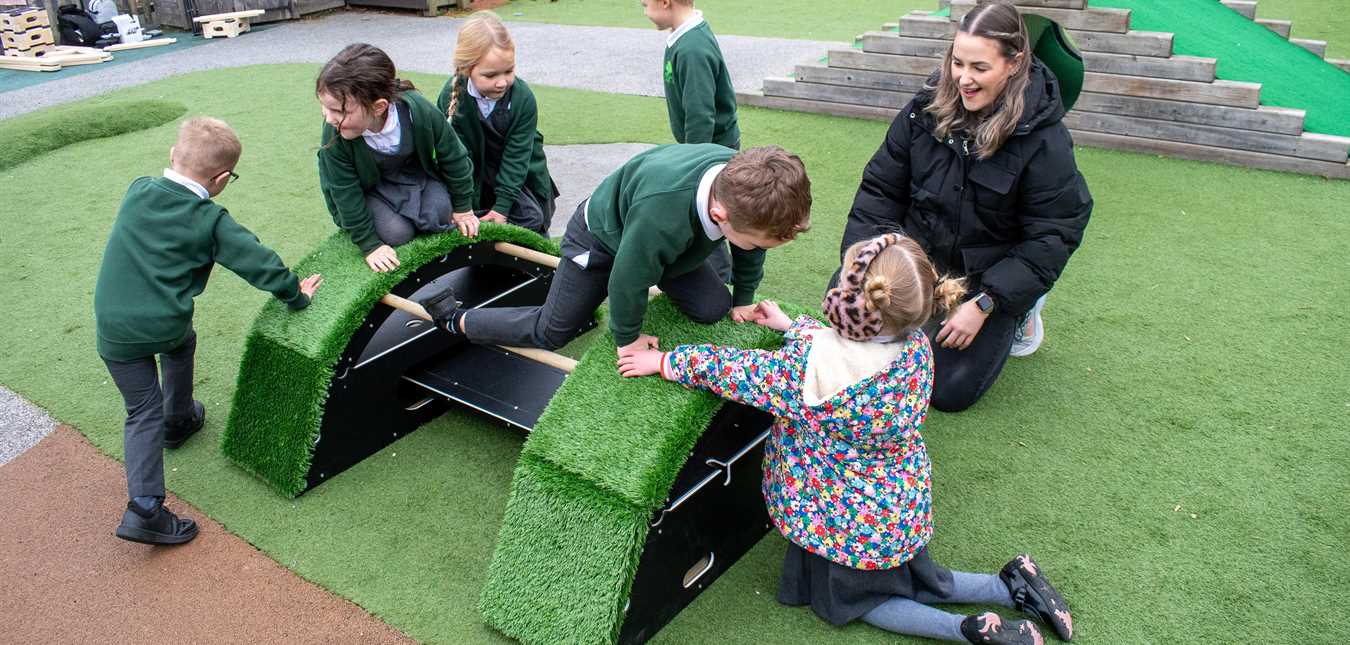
239,250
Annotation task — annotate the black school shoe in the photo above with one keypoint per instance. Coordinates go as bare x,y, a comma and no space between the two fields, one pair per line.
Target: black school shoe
159,526
1033,594
178,431
992,629
444,309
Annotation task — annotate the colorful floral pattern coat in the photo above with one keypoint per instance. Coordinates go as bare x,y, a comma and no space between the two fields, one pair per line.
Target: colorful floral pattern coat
848,478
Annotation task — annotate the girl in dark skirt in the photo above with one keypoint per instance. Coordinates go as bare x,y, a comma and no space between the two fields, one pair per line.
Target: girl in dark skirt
496,116
846,473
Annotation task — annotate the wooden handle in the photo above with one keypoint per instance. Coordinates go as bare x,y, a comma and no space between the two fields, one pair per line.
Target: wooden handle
544,356
529,255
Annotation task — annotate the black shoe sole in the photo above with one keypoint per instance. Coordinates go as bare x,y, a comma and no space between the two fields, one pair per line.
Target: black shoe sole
133,534
180,440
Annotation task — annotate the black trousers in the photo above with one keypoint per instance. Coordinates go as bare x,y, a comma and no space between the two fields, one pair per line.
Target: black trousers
962,376
576,292
151,397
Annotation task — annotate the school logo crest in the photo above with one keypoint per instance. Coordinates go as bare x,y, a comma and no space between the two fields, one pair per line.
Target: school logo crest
670,72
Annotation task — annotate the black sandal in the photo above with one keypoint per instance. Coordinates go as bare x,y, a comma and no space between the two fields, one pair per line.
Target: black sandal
1033,594
992,629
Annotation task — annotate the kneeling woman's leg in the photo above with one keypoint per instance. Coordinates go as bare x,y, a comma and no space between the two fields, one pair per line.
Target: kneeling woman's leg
962,376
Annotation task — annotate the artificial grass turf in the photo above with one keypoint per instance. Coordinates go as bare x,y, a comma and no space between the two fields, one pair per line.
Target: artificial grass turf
31,135
289,357
1290,76
1194,357
800,19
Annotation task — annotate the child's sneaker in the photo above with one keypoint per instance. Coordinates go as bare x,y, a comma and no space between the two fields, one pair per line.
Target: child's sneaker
444,309
177,431
156,526
1025,343
991,629
1033,594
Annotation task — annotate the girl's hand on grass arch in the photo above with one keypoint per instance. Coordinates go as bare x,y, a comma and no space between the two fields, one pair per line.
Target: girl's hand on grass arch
310,285
383,259
466,223
769,314
641,363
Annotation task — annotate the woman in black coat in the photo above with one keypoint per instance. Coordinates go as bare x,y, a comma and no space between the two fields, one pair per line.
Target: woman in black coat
979,169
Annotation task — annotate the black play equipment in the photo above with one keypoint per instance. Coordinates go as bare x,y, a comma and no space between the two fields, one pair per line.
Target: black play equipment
399,371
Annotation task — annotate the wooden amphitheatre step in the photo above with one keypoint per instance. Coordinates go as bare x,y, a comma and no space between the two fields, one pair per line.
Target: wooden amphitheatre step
1245,7
1281,27
1136,95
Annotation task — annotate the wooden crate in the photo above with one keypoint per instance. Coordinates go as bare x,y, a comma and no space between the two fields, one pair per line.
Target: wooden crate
26,41
24,20
224,28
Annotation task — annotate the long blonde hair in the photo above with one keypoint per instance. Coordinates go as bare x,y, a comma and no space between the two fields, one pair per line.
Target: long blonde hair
1002,24
902,285
481,33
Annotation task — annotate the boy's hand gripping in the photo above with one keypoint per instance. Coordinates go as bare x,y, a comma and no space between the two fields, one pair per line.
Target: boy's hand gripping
383,259
310,285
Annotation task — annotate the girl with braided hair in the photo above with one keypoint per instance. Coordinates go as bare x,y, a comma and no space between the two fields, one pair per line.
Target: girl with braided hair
495,114
846,472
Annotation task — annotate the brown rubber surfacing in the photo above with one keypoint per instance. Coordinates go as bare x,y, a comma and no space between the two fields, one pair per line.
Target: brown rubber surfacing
67,579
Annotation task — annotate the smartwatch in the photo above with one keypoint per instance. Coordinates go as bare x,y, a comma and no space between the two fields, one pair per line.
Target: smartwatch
985,303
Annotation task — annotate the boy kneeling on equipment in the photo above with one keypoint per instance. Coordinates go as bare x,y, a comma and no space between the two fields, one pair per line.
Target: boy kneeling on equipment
653,222
167,237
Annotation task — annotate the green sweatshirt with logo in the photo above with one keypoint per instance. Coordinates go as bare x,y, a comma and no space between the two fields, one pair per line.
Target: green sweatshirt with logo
645,214
163,245
699,96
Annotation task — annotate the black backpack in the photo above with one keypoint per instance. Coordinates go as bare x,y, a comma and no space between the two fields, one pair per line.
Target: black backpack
78,28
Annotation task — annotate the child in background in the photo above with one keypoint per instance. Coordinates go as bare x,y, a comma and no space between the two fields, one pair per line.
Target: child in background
699,97
653,222
389,164
167,237
846,472
496,117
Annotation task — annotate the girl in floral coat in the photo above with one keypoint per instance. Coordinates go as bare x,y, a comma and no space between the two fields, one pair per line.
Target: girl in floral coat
846,474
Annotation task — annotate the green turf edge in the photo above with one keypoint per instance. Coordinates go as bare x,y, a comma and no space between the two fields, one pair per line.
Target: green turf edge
289,356
30,136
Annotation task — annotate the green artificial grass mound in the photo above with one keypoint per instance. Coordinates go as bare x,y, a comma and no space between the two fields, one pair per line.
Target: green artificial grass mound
600,461
1290,76
289,355
30,136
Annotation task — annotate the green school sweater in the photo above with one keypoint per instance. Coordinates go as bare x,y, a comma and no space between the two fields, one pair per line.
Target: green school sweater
163,245
699,96
646,215
347,169
523,163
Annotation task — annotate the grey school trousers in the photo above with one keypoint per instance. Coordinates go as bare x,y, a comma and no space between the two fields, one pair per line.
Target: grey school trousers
576,292
150,398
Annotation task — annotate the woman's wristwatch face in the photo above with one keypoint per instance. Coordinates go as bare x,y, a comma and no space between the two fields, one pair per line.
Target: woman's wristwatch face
985,303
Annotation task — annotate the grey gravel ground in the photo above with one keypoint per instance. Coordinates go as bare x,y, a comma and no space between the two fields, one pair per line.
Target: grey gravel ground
578,169
604,59
22,425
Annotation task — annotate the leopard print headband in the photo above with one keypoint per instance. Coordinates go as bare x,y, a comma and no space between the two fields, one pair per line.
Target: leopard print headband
846,305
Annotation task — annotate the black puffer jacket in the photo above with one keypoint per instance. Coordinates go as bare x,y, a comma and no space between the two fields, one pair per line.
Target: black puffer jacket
1008,222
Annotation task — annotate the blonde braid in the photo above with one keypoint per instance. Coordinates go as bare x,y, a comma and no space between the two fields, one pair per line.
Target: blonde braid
454,97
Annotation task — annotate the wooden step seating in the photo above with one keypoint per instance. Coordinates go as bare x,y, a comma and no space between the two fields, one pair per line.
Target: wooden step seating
1137,95
1283,27
25,32
227,25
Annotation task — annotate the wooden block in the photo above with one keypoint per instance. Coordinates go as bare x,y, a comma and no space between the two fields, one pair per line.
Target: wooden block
786,88
24,20
758,99
927,27
1107,20
8,62
24,40
1280,27
1245,7
1181,68
251,13
1318,147
157,42
31,52
881,42
1139,43
1233,93
224,28
854,59
1264,161
815,73
1057,4
1317,47
1263,119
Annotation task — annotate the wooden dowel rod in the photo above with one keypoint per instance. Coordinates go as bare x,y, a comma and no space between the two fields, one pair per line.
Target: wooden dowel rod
544,356
529,255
